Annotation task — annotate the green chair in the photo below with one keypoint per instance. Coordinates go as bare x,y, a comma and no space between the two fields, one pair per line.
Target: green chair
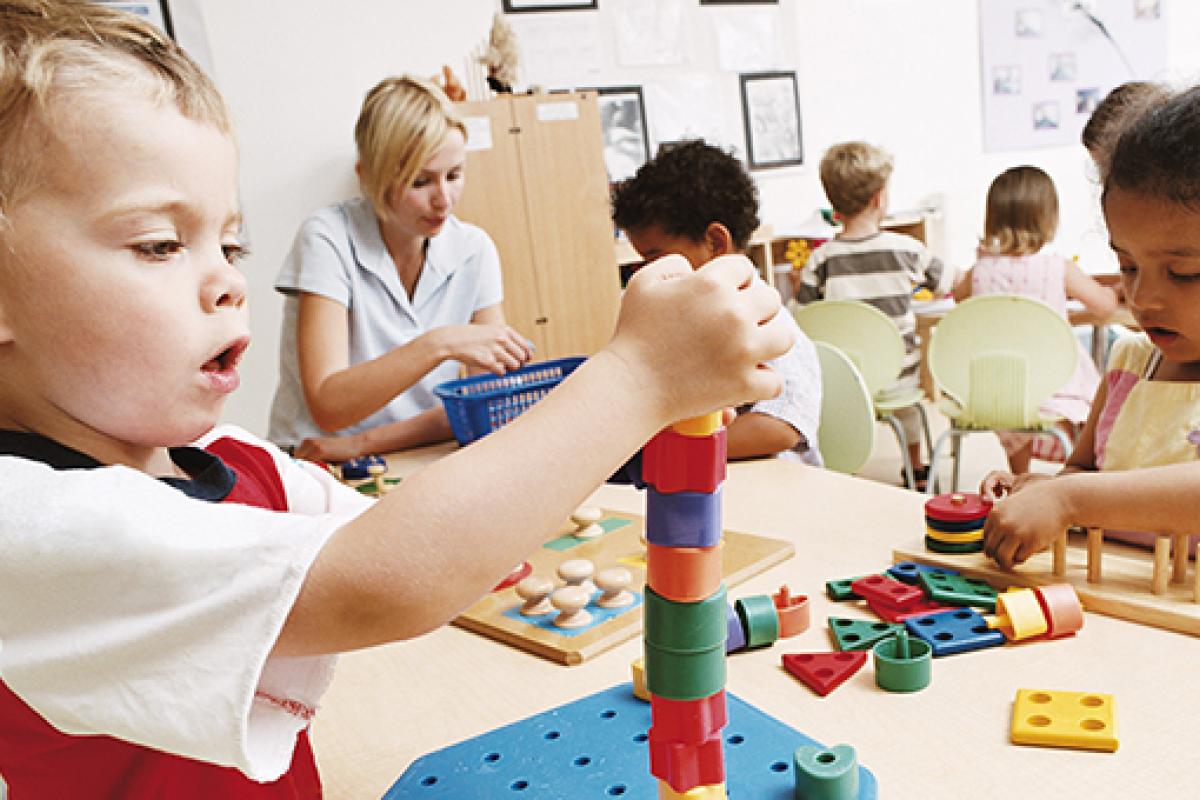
995,359
847,430
873,343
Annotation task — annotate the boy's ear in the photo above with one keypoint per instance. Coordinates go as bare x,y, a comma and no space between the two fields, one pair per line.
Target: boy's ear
719,239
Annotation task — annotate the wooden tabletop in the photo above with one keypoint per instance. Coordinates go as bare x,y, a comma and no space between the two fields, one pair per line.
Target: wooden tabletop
389,705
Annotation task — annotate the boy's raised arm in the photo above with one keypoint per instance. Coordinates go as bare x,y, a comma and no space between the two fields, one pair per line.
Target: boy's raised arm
686,344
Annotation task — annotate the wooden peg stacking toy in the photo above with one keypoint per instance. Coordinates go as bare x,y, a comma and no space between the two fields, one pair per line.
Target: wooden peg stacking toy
576,572
535,591
954,522
587,522
613,584
571,601
687,627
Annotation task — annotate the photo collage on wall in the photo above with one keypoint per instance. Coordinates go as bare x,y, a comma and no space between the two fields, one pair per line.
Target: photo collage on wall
1046,65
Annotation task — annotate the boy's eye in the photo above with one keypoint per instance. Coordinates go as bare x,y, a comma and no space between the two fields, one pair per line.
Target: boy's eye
158,250
1188,277
234,252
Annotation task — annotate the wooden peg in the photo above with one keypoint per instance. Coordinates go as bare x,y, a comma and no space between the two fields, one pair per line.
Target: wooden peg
576,572
535,591
571,601
613,583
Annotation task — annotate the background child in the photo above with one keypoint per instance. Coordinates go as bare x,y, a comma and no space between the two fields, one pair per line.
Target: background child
167,612
1021,219
1147,409
1122,104
877,267
696,200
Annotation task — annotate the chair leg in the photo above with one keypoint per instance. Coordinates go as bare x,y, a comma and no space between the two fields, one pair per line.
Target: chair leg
902,440
931,485
1066,443
925,427
956,452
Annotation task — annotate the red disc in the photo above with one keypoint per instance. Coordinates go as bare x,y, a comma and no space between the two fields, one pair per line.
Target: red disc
957,507
519,573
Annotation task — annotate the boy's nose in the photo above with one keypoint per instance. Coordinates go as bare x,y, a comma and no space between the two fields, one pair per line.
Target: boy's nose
225,287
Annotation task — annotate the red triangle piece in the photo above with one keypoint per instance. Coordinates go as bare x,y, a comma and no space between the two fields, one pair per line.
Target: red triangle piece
824,672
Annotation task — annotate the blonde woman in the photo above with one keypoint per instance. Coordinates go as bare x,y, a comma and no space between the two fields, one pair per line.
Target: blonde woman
388,294
1020,221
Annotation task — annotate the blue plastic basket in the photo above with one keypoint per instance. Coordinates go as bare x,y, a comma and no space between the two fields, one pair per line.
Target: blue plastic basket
479,405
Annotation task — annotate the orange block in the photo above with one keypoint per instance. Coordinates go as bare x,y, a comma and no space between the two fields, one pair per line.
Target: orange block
683,574
794,613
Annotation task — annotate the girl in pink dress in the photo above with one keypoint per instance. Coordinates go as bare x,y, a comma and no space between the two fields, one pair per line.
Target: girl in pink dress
1021,218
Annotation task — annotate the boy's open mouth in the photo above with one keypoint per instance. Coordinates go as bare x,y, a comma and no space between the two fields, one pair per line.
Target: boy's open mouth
228,358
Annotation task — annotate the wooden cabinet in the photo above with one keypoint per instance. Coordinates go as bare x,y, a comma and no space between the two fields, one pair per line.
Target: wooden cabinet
535,181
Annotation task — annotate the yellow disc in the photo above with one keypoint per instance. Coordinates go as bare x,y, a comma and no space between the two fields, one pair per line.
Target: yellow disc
955,538
706,425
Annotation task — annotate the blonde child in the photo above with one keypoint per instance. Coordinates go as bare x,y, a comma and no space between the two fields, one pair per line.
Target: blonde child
1021,220
171,592
1124,103
1134,466
878,267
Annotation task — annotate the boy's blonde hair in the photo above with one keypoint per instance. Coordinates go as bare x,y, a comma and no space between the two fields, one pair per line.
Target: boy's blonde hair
852,174
49,48
1022,213
403,122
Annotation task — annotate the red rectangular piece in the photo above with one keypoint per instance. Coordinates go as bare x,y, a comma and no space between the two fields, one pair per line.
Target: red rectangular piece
688,721
884,591
672,462
899,615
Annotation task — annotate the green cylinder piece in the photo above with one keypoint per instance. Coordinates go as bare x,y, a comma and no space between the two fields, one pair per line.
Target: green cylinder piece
953,547
759,619
685,676
686,627
826,773
903,664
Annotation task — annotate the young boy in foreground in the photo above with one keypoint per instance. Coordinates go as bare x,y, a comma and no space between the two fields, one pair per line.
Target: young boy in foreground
171,593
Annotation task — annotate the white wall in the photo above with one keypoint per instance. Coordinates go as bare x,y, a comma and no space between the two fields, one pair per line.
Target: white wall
901,73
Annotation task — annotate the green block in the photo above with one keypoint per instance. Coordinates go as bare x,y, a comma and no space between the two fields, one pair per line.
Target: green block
687,627
684,676
903,664
826,773
759,618
860,634
957,590
840,590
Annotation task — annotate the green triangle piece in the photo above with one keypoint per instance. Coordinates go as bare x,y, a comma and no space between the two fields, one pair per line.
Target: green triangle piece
958,590
860,634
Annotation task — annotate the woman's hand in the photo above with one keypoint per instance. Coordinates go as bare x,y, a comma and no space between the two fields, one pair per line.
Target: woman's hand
491,348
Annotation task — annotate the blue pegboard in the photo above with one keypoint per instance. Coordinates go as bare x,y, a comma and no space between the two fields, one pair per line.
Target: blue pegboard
595,748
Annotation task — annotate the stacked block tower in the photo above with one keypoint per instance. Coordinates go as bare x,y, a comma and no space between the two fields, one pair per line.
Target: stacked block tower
683,468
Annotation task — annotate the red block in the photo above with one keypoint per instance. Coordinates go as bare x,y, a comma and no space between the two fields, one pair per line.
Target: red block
899,615
672,462
824,672
686,766
884,591
688,721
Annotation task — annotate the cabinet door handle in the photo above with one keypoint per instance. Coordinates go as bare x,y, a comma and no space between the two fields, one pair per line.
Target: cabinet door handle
541,321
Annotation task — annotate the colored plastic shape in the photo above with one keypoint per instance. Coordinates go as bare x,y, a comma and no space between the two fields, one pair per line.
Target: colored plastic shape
795,614
759,618
683,519
965,537
688,721
705,425
839,590
1082,720
686,627
860,634
638,668
683,574
956,590
735,636
957,507
952,632
899,615
824,672
907,571
596,747
903,664
886,591
1060,604
826,774
956,527
714,792
519,573
686,765
360,468
957,548
1019,615
672,462
686,676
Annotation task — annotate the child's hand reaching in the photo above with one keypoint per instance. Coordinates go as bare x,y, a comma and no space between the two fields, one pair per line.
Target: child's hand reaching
697,340
999,483
1028,521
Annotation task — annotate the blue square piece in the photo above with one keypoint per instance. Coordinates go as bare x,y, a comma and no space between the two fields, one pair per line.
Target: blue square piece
950,632
908,571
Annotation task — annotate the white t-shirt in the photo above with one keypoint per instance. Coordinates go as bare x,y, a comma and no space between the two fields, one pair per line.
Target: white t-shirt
339,253
799,403
129,609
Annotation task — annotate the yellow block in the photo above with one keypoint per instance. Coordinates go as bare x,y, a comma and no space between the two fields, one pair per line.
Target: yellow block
1083,720
714,791
639,679
1019,615
706,425
957,538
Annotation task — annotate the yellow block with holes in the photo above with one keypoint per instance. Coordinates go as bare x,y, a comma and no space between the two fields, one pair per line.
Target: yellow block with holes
706,425
639,679
1083,720
954,537
714,791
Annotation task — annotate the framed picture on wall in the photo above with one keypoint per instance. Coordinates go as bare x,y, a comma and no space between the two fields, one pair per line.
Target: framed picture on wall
521,6
623,120
156,11
771,111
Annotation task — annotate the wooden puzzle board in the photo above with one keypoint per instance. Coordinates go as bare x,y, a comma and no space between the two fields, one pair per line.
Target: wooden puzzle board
1124,591
743,556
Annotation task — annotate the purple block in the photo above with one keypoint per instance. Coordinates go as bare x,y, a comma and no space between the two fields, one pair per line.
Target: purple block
735,636
683,519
